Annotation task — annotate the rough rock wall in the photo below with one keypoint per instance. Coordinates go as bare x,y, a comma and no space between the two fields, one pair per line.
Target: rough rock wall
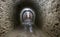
6,12
50,14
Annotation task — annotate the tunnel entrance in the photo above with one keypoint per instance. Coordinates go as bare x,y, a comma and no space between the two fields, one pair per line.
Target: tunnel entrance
23,4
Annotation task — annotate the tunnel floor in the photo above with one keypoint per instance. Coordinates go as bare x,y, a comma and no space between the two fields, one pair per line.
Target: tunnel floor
21,33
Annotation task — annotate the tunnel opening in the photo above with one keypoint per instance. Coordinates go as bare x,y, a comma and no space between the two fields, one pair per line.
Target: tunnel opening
22,4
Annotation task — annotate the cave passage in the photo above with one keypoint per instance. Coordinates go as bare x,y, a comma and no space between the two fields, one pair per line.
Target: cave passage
23,4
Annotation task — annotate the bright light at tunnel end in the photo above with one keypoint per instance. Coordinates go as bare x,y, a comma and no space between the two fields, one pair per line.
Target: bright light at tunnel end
29,23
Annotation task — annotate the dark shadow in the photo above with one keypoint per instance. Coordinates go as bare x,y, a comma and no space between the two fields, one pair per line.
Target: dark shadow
27,3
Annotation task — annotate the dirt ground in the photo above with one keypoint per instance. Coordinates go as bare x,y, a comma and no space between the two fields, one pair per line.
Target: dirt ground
22,33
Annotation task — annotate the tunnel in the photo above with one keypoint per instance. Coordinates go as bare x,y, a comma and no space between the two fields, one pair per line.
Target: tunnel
47,19
27,4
